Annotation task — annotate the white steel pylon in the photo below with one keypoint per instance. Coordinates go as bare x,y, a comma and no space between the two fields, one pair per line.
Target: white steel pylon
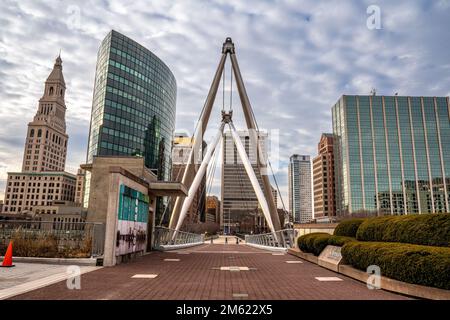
226,119
189,171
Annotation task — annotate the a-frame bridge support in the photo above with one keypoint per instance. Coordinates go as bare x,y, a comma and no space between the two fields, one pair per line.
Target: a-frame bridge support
176,218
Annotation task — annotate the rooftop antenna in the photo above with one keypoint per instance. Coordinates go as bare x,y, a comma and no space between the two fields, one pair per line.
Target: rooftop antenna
373,92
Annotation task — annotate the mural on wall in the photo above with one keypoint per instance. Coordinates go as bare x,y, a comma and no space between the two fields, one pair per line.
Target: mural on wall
132,221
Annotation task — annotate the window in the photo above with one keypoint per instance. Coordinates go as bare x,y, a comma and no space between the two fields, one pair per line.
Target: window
39,134
32,133
51,91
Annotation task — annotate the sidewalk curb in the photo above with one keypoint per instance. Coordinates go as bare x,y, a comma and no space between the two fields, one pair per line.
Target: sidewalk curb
61,261
388,284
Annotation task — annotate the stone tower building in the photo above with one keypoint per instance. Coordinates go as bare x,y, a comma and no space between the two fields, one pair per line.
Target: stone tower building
43,180
46,142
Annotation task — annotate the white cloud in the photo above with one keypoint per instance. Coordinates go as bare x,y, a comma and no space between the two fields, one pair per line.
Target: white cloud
296,57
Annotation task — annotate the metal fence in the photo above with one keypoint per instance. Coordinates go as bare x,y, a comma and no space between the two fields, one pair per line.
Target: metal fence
67,235
280,239
165,237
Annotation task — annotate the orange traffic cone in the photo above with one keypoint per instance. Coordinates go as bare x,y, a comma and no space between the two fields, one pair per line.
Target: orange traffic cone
7,260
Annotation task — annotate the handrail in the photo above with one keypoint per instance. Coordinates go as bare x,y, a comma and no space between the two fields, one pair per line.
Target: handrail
167,239
279,239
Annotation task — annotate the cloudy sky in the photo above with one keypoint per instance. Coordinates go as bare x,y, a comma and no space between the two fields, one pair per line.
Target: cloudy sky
297,58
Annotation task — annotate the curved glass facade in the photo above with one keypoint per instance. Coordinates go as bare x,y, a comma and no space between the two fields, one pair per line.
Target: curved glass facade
392,154
134,102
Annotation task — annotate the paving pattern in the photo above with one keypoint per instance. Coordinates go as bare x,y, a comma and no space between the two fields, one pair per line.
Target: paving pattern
199,274
25,277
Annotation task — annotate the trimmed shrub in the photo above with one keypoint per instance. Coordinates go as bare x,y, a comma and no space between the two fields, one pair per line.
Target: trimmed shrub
339,241
348,228
417,264
306,242
320,242
46,246
424,229
315,242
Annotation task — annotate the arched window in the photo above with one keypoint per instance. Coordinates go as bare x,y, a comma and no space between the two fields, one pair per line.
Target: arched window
46,134
51,91
39,133
32,133
61,93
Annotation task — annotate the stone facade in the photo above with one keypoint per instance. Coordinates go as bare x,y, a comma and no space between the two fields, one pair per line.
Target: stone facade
79,192
46,142
181,149
42,179
107,175
27,190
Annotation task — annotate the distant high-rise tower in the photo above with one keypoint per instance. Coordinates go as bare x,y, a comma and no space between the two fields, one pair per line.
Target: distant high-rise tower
323,179
238,198
46,143
43,179
300,194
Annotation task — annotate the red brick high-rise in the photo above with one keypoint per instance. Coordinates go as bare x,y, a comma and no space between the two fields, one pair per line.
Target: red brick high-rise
323,179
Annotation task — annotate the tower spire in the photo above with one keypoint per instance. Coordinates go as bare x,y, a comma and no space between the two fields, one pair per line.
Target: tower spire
56,75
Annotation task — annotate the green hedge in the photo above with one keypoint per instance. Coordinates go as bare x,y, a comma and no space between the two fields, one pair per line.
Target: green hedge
423,229
339,241
348,228
315,242
418,264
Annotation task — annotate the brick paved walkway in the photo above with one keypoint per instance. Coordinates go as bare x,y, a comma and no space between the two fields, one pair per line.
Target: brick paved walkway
198,276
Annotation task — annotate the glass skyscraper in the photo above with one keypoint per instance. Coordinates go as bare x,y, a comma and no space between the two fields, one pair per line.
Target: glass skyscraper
133,108
392,154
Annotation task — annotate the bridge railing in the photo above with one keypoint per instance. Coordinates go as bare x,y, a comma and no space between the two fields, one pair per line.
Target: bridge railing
170,239
279,239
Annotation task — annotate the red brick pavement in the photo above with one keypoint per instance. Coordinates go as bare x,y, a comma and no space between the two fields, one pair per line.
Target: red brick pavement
194,277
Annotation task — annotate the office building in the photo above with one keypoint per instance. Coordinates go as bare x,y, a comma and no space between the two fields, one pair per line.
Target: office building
239,204
79,186
300,193
323,180
133,107
212,209
182,145
392,155
42,179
